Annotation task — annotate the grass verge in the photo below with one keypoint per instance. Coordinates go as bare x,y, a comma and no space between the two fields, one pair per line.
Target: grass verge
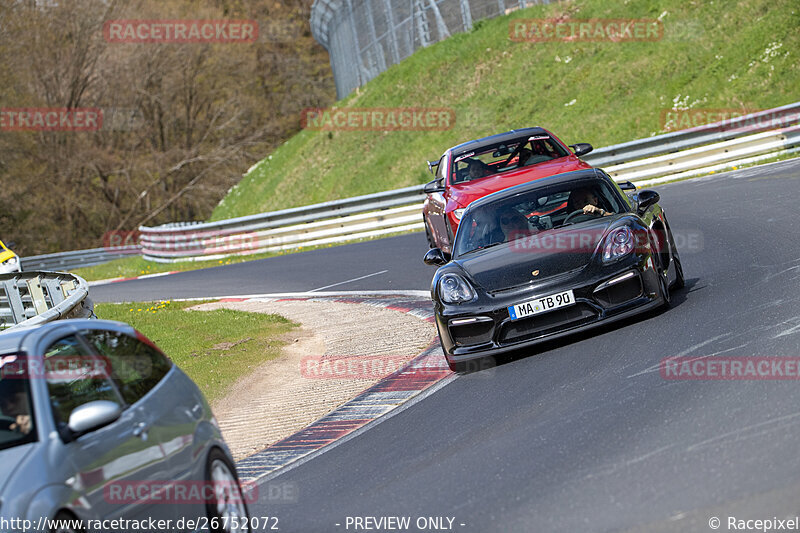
215,348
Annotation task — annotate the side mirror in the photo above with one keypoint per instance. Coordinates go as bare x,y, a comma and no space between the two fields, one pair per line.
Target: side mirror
627,186
436,257
581,148
433,187
646,198
92,415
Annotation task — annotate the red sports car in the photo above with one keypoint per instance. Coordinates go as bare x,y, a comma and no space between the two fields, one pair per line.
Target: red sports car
476,168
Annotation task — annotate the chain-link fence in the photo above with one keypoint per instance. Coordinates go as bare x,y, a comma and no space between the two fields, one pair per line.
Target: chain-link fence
364,37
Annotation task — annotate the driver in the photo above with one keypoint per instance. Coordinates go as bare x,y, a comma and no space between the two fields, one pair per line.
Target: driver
513,224
476,169
586,199
487,231
14,404
524,155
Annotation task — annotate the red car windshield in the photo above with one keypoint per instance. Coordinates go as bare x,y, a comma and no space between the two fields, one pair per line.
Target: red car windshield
502,157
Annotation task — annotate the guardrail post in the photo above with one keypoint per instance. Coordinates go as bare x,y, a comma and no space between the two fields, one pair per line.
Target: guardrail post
37,295
14,301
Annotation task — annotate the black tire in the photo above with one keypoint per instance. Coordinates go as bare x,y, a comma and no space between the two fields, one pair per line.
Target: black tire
664,284
431,244
231,509
680,281
62,519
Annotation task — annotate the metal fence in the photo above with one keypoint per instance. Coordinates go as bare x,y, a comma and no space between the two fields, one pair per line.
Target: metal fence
365,37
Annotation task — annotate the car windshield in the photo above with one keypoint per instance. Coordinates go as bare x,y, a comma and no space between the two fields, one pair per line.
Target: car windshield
525,151
532,212
16,420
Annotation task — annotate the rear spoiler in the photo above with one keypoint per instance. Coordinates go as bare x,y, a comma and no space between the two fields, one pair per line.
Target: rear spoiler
432,165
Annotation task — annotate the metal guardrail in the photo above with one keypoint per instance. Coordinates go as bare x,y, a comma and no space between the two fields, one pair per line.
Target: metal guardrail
76,259
676,141
712,154
32,298
679,154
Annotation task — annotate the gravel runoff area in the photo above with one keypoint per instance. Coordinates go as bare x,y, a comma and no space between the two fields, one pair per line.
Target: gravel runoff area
282,396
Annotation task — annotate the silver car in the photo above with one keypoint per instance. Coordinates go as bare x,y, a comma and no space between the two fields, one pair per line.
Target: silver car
98,426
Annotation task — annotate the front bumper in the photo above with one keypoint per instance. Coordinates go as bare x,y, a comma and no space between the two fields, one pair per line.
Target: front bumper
9,267
484,328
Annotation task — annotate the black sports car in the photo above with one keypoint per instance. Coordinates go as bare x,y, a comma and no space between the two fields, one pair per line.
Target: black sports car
548,258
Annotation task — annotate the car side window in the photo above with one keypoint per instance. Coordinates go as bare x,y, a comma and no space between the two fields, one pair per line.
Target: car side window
73,378
135,367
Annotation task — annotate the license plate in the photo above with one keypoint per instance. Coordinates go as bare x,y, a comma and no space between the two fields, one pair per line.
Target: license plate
541,305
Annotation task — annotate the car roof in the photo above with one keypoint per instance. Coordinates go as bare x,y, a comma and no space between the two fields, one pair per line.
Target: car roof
500,137
557,179
11,340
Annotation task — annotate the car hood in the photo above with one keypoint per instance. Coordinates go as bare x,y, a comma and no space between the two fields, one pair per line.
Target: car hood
11,460
464,193
551,253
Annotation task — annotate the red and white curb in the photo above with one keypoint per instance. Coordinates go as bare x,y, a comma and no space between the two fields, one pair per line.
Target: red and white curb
427,372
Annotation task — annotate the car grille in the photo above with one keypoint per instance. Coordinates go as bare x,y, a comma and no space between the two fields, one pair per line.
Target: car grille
545,323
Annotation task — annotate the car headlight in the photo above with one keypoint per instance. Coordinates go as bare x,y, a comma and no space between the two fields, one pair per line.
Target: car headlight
10,261
458,213
453,289
618,244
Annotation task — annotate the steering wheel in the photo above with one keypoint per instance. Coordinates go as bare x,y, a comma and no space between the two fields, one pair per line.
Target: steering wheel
6,422
579,212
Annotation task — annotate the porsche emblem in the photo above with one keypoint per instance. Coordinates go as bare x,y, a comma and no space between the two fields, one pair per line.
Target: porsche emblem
535,272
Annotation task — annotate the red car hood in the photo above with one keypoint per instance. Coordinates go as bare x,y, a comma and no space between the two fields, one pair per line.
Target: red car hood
464,193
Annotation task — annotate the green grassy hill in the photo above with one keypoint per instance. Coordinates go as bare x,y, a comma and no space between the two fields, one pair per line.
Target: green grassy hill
717,55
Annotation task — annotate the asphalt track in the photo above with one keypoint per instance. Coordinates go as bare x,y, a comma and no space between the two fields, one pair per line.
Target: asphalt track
582,435
394,263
